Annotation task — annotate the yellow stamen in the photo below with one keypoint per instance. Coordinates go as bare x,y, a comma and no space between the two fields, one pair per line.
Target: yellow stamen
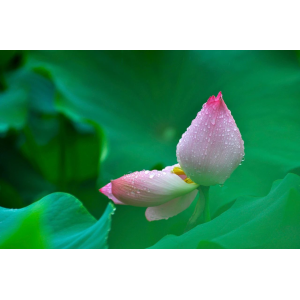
188,180
178,171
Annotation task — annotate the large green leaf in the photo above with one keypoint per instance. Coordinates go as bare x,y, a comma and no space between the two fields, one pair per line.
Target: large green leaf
23,230
263,222
146,100
59,217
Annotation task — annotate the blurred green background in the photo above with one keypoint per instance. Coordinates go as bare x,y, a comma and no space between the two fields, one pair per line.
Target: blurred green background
70,121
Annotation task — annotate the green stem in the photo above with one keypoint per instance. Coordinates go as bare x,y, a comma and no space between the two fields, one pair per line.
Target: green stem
201,208
196,214
205,191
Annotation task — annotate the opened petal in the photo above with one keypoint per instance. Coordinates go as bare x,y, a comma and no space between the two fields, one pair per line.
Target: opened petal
171,208
150,188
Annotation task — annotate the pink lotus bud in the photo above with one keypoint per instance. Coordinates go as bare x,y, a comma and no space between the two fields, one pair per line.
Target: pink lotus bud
212,147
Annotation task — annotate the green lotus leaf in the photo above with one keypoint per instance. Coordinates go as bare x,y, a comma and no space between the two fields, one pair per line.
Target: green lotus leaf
58,220
23,229
271,221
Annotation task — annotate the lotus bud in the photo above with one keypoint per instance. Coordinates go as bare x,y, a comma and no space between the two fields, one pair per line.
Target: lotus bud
212,147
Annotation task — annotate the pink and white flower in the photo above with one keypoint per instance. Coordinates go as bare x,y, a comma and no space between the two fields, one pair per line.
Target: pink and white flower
208,152
212,147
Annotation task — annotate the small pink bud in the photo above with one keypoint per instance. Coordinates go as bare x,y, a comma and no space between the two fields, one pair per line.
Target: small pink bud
212,147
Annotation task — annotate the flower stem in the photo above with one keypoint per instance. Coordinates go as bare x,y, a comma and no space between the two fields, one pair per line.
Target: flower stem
205,191
201,208
197,212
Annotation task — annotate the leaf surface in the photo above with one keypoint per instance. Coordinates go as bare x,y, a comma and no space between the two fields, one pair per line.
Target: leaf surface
58,219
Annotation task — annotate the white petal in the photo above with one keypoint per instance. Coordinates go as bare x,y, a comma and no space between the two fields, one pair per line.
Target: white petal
171,208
